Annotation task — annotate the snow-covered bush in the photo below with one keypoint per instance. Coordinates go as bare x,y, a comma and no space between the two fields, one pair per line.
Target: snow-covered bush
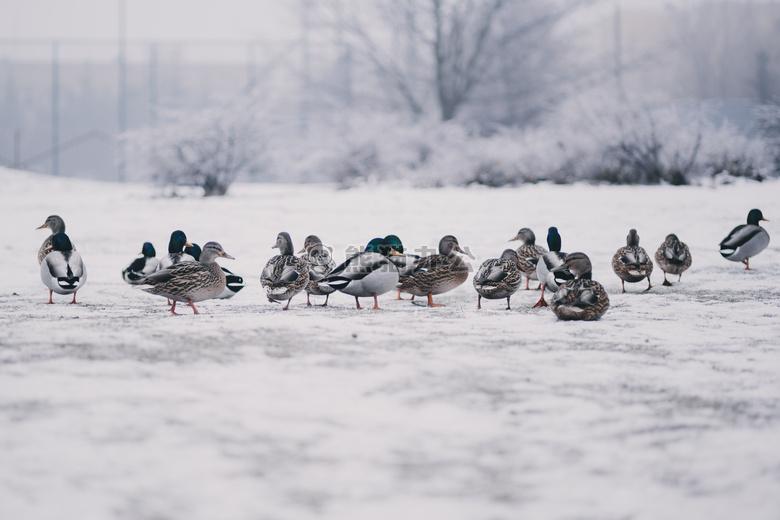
769,124
207,149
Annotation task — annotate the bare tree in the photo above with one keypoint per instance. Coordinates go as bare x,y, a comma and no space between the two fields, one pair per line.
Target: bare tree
451,53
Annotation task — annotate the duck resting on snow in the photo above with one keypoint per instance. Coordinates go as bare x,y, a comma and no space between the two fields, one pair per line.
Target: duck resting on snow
632,263
581,298
746,240
190,281
284,275
62,269
498,278
141,267
673,257
437,274
366,274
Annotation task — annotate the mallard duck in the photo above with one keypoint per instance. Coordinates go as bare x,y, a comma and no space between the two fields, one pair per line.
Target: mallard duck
673,257
176,252
62,269
549,261
285,275
404,262
366,274
632,263
437,274
320,265
233,282
746,240
498,278
141,267
56,225
581,298
528,254
190,281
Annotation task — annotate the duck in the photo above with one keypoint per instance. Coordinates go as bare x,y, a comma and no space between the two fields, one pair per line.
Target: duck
581,298
284,275
62,269
746,240
673,257
437,274
233,282
56,225
320,265
190,281
141,267
631,263
369,273
176,253
528,254
498,278
549,261
404,262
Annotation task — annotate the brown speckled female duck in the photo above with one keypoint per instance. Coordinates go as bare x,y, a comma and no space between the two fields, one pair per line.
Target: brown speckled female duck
437,274
632,263
581,298
673,257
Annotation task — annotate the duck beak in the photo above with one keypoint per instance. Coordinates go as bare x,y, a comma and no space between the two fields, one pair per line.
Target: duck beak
467,253
188,244
765,219
393,252
274,246
517,237
225,255
49,247
42,227
299,252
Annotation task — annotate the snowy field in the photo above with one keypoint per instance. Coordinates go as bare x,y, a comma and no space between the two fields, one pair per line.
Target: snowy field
668,407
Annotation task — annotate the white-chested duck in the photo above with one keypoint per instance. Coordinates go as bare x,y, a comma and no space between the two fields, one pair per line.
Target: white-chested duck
631,263
528,254
366,274
581,298
437,274
673,257
320,265
746,240
190,282
62,269
142,266
548,262
284,275
56,225
498,278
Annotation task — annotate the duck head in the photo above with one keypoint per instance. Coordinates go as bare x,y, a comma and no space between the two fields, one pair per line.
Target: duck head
578,263
284,244
754,217
526,236
61,242
553,239
178,242
194,251
449,243
213,250
509,254
381,246
55,223
395,243
311,245
148,250
632,239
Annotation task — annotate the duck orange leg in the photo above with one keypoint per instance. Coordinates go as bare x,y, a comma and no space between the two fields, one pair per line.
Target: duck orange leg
479,301
50,300
74,298
192,304
667,282
746,261
508,306
541,302
357,302
649,285
430,301
376,303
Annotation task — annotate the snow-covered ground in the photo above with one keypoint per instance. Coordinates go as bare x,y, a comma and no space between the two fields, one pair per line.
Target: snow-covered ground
668,407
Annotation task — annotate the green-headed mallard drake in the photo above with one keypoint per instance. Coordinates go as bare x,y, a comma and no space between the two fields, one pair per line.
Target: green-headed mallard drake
404,262
549,261
746,240
176,253
233,282
528,254
320,265
632,263
190,281
581,298
285,275
366,274
673,257
437,274
141,267
56,225
498,278
62,269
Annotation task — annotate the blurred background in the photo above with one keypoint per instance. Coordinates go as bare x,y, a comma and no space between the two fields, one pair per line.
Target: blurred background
425,92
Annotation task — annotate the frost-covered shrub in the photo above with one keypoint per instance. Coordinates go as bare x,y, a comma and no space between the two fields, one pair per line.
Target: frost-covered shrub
207,149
